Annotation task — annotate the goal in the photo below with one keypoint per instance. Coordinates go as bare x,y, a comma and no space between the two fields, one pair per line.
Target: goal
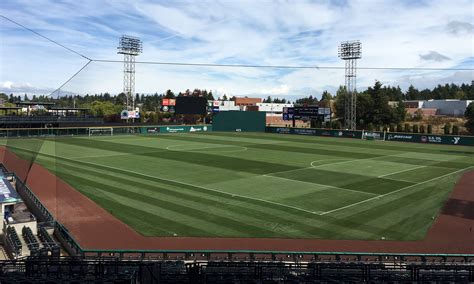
101,131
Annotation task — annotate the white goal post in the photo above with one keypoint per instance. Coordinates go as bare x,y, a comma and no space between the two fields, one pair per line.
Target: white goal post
101,131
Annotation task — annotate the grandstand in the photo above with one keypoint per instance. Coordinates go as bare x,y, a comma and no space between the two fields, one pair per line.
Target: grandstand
43,115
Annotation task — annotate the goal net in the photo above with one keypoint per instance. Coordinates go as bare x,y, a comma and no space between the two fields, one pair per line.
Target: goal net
101,131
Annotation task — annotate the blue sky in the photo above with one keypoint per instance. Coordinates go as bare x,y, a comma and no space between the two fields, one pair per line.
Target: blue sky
393,34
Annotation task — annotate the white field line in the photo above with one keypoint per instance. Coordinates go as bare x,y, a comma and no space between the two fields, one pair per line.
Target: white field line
328,164
313,166
392,192
402,171
205,188
242,148
325,185
403,180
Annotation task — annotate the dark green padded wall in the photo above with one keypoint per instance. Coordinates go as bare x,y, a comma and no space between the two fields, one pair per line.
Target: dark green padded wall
244,121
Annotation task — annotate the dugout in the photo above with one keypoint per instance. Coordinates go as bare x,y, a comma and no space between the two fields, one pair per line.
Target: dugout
245,121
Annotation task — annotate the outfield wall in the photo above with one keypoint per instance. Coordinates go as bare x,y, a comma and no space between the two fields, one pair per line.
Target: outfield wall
394,136
240,121
117,130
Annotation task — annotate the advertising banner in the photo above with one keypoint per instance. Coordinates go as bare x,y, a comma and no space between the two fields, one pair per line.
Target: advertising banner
128,114
402,137
175,129
431,139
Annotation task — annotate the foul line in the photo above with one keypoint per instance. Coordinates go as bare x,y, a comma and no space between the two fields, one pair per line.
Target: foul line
402,171
392,192
320,184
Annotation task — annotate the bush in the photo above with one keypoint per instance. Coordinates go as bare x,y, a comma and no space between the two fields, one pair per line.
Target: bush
407,127
392,127
455,130
399,128
422,128
447,127
370,127
336,124
415,128
430,129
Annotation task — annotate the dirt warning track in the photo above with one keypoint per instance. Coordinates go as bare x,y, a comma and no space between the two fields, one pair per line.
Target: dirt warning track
95,228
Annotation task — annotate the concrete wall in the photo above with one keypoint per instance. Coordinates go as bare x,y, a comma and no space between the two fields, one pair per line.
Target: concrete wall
448,107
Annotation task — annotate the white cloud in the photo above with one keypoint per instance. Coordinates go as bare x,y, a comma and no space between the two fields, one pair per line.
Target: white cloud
393,33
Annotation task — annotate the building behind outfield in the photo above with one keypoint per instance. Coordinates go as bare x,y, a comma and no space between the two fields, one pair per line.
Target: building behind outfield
442,107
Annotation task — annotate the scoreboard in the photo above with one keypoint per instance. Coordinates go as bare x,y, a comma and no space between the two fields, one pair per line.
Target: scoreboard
307,113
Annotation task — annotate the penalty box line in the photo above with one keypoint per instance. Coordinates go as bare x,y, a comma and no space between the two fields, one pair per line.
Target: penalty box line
202,187
392,192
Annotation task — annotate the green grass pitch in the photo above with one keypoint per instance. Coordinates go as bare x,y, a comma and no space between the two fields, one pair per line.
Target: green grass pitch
257,184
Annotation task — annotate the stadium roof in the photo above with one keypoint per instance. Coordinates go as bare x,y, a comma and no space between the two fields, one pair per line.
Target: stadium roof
34,103
69,108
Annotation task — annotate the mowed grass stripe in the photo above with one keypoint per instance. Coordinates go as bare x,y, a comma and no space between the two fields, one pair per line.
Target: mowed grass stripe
197,216
393,192
422,174
368,184
195,187
194,206
274,147
424,199
356,143
203,159
265,214
425,162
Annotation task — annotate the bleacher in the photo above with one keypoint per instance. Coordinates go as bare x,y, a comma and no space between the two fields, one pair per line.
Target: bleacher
49,245
30,239
13,243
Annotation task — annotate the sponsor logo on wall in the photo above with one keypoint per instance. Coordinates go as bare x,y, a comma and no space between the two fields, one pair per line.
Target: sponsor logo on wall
399,137
434,139
305,131
174,129
456,140
153,130
197,129
284,130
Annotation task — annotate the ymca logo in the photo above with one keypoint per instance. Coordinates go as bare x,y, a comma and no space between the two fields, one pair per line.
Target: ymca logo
456,140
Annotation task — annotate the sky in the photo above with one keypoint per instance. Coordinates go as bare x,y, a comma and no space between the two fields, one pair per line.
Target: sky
393,33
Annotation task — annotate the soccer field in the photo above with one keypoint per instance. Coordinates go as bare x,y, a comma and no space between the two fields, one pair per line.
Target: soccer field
258,184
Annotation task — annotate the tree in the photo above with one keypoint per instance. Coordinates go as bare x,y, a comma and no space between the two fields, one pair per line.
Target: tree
307,100
170,95
447,128
340,102
326,97
224,98
469,114
412,93
418,116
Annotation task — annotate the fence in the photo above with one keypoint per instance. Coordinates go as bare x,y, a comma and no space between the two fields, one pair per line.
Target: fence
78,131
388,136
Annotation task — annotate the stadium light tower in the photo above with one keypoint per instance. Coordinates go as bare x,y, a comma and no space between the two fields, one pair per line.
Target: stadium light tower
129,47
350,51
